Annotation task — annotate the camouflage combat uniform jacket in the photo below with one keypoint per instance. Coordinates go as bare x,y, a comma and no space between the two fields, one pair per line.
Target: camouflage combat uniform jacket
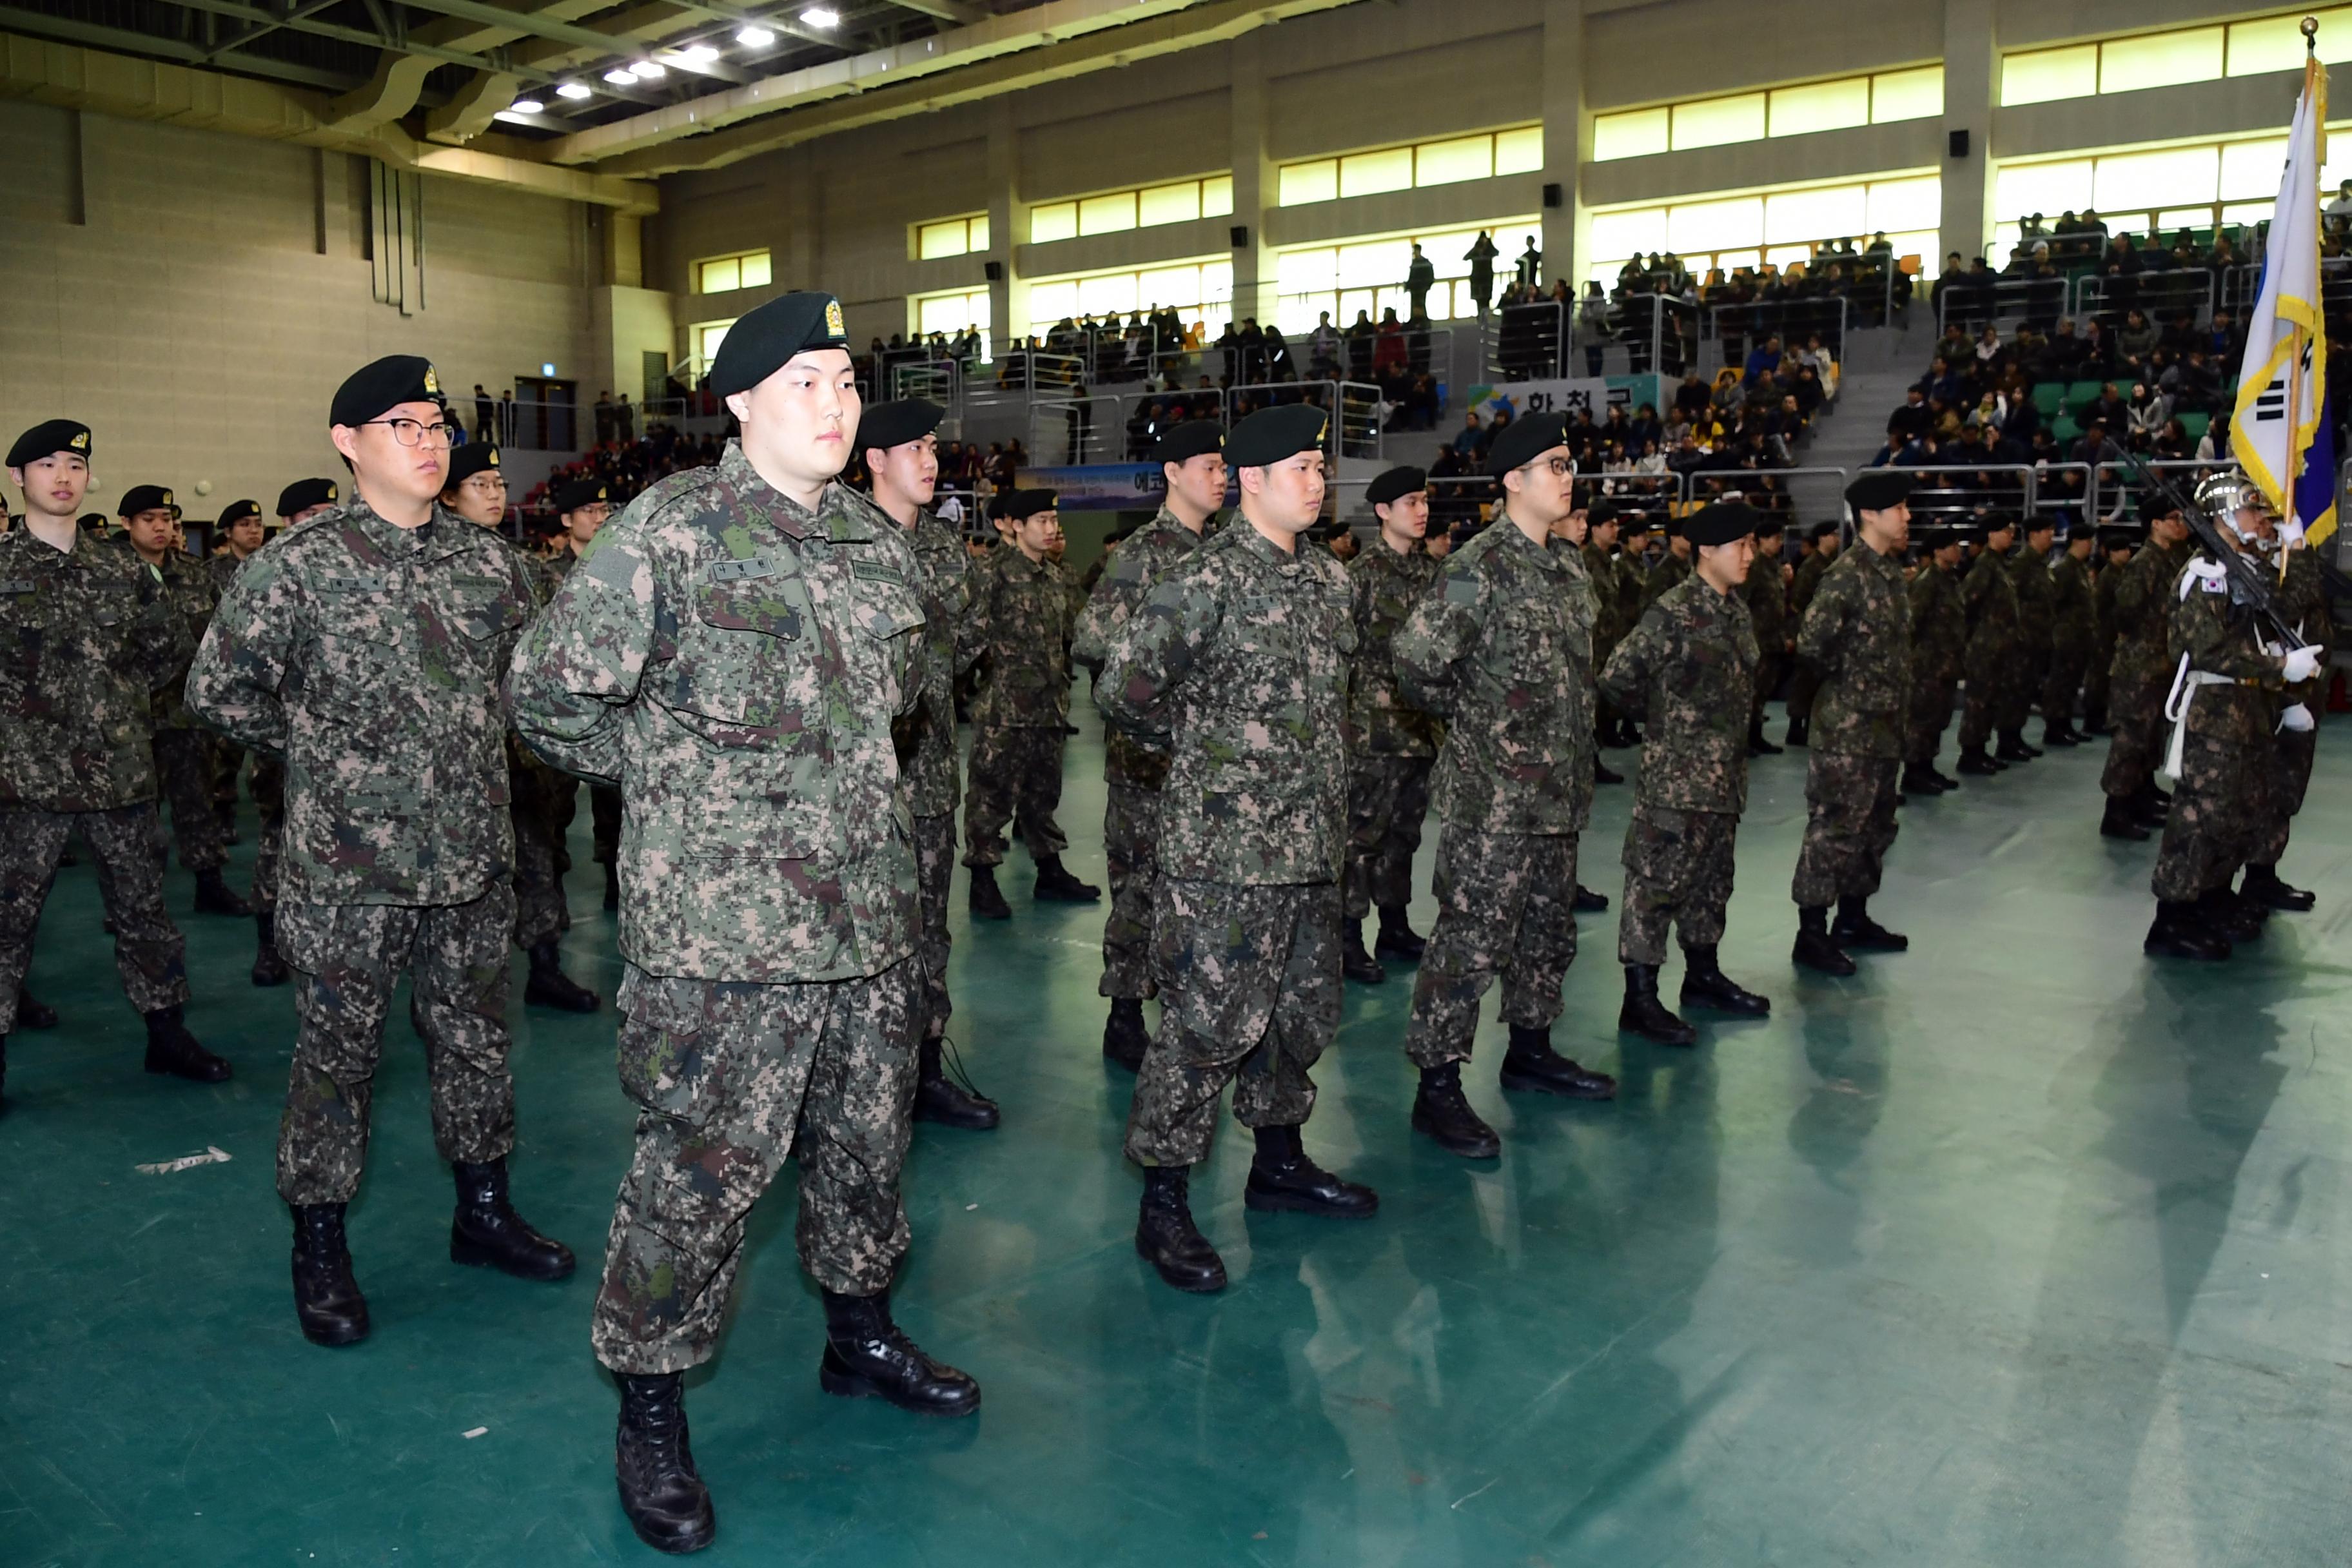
1857,634
369,657
1671,569
927,732
1767,597
1142,559
1939,628
2221,636
1685,675
1502,652
189,587
2074,623
1989,596
1383,587
86,636
2142,614
2036,603
1609,620
1807,582
1023,610
1236,665
737,665
2302,602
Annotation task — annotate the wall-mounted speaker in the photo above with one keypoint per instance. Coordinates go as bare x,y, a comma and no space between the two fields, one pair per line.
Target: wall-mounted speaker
1240,236
992,270
1960,139
1554,197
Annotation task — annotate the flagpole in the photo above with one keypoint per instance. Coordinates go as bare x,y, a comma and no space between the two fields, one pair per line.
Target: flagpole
2295,344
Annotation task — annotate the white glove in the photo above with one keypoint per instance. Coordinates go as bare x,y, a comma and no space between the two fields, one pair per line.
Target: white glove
2296,717
2302,663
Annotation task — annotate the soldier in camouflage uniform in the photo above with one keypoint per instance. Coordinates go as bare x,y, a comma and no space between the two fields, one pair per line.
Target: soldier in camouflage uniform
1612,614
2140,675
2114,550
2230,689
1021,607
1689,673
2036,625
1766,594
89,635
475,490
1236,665
900,445
297,503
1191,462
1856,636
1390,743
1673,567
1502,651
1939,640
736,650
240,523
578,526
1989,599
2072,632
1827,541
2300,600
364,648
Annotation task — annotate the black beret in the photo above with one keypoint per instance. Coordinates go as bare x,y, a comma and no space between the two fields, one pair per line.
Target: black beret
386,384
1524,440
1876,489
578,493
1022,505
1271,435
1720,522
473,457
1183,443
1823,530
996,504
236,512
304,494
2117,538
1603,510
1395,484
1768,524
889,424
2037,524
146,498
1995,522
762,342
91,522
50,436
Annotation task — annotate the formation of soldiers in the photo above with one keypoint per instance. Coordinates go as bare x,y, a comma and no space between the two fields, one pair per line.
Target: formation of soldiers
754,669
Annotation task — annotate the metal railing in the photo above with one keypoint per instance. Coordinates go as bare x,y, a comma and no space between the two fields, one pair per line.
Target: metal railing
1958,494
1815,490
1355,426
1734,328
2156,295
2040,300
940,381
2116,493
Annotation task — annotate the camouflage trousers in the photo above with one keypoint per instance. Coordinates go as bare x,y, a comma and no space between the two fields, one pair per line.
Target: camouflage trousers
2221,816
1678,868
539,859
347,960
1249,989
1017,777
935,860
269,800
148,952
1388,797
730,1079
2021,684
1505,907
1130,840
1848,827
1772,669
2295,750
2062,683
1989,672
2096,679
1928,715
184,768
1802,686
228,759
603,812
2136,709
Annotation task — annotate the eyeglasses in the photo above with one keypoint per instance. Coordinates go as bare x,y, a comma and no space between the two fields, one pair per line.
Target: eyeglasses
409,432
1558,467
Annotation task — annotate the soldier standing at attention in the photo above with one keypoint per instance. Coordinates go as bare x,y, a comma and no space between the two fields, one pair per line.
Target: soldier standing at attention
2140,677
364,648
1988,600
1673,567
1766,594
1856,635
2036,621
89,635
297,503
901,448
1610,618
1191,459
1827,541
1939,642
1502,651
2072,632
1392,744
240,524
2302,601
1689,671
735,651
1021,610
474,491
1236,664
581,508
2115,550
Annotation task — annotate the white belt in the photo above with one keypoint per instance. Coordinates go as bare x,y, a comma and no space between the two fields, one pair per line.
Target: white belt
2184,682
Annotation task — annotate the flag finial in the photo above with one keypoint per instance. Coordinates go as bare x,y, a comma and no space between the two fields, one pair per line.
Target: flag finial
2310,26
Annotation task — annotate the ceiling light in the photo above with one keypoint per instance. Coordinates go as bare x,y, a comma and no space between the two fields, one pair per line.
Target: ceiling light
620,76
697,53
648,69
571,89
755,37
529,106
509,117
821,17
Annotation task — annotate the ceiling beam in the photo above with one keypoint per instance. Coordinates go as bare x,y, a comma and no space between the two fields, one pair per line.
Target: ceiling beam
955,11
38,25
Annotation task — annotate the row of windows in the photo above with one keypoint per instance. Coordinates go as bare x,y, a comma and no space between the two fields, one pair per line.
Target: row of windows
1196,291
1888,96
2165,60
1518,151
723,274
1773,226
1117,211
950,237
2142,182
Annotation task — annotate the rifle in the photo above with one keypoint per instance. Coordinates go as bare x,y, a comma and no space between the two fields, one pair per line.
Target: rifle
2248,585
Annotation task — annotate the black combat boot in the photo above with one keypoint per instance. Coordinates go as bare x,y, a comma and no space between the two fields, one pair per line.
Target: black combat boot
1943,781
2179,932
1705,984
1587,901
1916,780
2231,918
214,896
2013,749
1629,734
1758,746
1354,962
1283,1177
1855,928
941,1098
1166,1235
612,884
2153,807
171,1050
1643,1015
1441,1110
2117,821
1815,948
1603,773
32,1014
661,1491
1973,761
2061,732
549,986
326,1299
486,1232
1125,1037
868,1356
2259,887
1533,1067
987,902
1397,938
2094,720
268,968
1797,730
1057,886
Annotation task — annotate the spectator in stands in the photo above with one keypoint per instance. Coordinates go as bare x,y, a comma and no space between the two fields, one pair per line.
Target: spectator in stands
1323,350
2193,385
1388,348
1467,439
1531,266
1914,419
1362,338
1592,323
1481,257
1762,360
2096,446
1420,278
2341,207
2146,415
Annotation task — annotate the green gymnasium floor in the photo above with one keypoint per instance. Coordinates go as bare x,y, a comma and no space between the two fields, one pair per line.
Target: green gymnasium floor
2014,1250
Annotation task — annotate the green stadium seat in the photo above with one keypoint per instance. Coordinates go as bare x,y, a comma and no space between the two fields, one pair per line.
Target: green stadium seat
2195,424
2064,431
2047,395
2081,395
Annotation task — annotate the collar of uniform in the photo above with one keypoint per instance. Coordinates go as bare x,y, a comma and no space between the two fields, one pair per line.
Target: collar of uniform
389,540
1169,523
837,515
1287,561
1517,539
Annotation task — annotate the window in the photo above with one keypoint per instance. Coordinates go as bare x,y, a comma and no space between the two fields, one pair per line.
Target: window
1107,214
2177,55
1447,161
2160,59
1114,212
708,336
950,313
2275,43
2162,189
1199,291
1836,105
1368,274
2046,76
725,274
950,237
1779,226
